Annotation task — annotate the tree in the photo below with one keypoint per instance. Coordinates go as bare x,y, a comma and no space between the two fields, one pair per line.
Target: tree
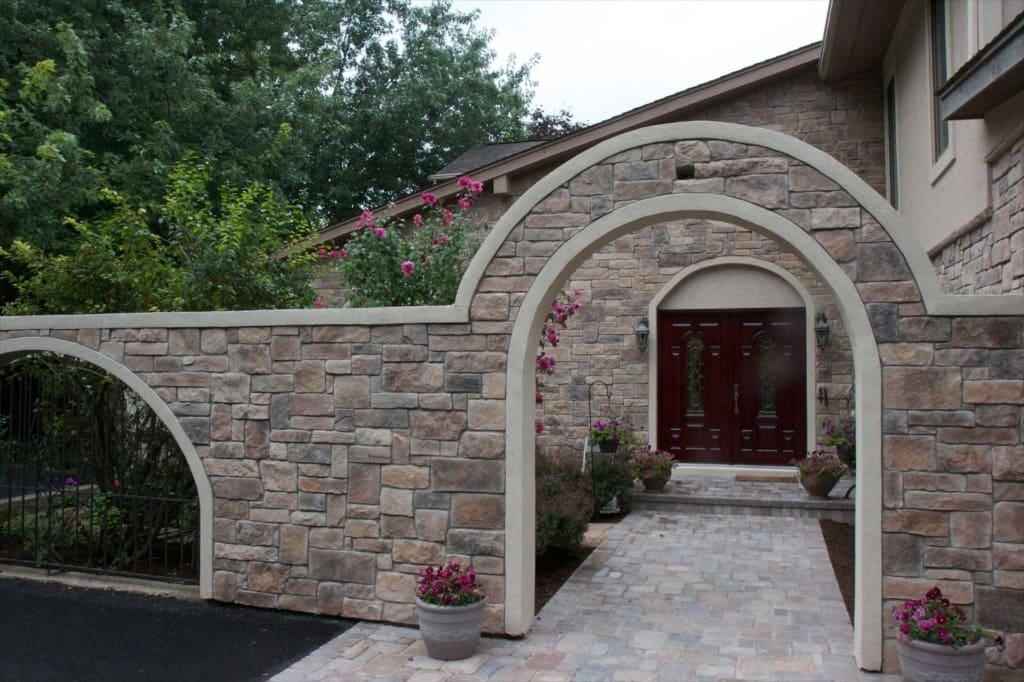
215,256
544,125
337,104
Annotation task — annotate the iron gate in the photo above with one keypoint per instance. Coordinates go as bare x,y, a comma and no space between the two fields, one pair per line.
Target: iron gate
90,478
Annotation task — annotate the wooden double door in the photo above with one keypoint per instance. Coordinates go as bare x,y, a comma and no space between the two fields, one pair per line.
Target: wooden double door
732,385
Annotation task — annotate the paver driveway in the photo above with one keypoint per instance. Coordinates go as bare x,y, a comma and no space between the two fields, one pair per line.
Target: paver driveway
665,596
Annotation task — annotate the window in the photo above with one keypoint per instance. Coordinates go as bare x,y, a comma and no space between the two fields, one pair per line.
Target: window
939,74
892,169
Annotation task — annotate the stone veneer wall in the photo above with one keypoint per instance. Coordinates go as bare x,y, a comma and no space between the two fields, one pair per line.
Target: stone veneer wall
952,388
342,459
990,259
617,285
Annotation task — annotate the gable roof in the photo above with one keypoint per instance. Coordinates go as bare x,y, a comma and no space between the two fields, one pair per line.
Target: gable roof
664,110
482,155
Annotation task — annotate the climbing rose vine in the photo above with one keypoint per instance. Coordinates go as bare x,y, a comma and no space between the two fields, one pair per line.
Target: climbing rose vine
562,308
386,263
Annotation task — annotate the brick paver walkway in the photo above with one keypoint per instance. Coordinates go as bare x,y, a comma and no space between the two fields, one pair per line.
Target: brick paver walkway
665,596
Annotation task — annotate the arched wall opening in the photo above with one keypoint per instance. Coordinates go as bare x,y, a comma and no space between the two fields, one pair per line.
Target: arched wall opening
15,349
520,437
737,282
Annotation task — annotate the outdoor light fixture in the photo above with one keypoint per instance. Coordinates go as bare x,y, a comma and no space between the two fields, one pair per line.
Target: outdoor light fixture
821,331
643,332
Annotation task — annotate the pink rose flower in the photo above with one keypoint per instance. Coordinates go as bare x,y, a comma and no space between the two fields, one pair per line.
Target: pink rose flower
407,267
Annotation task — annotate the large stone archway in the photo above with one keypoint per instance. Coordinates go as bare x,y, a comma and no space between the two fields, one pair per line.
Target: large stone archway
885,288
20,347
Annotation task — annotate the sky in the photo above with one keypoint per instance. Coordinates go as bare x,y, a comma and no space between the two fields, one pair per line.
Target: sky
600,58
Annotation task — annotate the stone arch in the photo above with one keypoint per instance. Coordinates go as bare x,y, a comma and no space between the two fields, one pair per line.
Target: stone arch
15,348
879,229
784,276
520,436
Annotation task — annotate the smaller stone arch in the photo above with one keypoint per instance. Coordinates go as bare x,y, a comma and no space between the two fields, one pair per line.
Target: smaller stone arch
786,279
19,347
520,437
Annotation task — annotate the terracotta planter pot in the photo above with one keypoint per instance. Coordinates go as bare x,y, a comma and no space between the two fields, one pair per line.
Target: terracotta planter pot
817,485
654,482
451,633
608,446
927,662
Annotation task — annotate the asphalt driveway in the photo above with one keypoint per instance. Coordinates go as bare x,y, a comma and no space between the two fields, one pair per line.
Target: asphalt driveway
51,632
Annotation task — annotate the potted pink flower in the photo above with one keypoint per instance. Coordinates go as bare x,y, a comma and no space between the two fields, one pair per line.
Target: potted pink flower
450,608
819,472
935,641
652,467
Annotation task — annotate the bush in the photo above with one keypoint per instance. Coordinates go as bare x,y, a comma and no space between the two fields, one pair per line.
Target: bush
564,504
611,475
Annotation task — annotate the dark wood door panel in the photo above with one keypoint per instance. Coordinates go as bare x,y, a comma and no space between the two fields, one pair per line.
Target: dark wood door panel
731,385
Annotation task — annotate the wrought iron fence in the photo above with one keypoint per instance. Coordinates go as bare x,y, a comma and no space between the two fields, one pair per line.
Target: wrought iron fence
90,479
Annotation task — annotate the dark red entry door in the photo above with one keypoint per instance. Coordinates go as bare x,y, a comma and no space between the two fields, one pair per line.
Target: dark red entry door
732,385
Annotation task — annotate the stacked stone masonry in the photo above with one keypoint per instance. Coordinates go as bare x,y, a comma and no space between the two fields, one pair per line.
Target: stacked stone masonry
343,458
990,259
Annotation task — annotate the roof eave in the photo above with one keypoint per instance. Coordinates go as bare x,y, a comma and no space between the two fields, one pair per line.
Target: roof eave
569,145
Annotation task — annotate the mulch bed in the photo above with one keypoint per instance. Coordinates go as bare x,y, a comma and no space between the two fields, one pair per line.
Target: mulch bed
556,568
839,541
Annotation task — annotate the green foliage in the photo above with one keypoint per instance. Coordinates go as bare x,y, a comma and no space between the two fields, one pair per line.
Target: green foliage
387,263
220,256
611,475
335,104
111,483
564,504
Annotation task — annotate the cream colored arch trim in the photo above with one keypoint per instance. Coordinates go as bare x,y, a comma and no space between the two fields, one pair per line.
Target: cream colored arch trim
14,348
747,262
935,301
520,436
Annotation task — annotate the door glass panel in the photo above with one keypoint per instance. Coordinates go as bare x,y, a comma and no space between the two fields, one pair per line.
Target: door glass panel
767,361
695,375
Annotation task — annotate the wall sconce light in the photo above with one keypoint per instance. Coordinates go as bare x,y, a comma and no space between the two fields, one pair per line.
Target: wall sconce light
821,331
643,333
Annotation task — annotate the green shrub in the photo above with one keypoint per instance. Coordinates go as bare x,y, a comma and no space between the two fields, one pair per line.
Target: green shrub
611,475
564,504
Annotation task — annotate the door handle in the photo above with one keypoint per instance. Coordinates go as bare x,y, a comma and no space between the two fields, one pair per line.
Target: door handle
736,398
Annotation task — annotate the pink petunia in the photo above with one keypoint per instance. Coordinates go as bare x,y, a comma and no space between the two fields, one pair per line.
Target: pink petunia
407,268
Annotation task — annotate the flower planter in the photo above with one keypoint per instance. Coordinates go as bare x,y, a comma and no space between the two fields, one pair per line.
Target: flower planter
653,482
817,485
847,454
451,633
927,662
608,446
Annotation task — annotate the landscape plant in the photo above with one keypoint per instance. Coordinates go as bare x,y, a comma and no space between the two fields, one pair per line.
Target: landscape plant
388,262
557,318
934,619
564,503
222,255
613,429
449,585
819,462
646,461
